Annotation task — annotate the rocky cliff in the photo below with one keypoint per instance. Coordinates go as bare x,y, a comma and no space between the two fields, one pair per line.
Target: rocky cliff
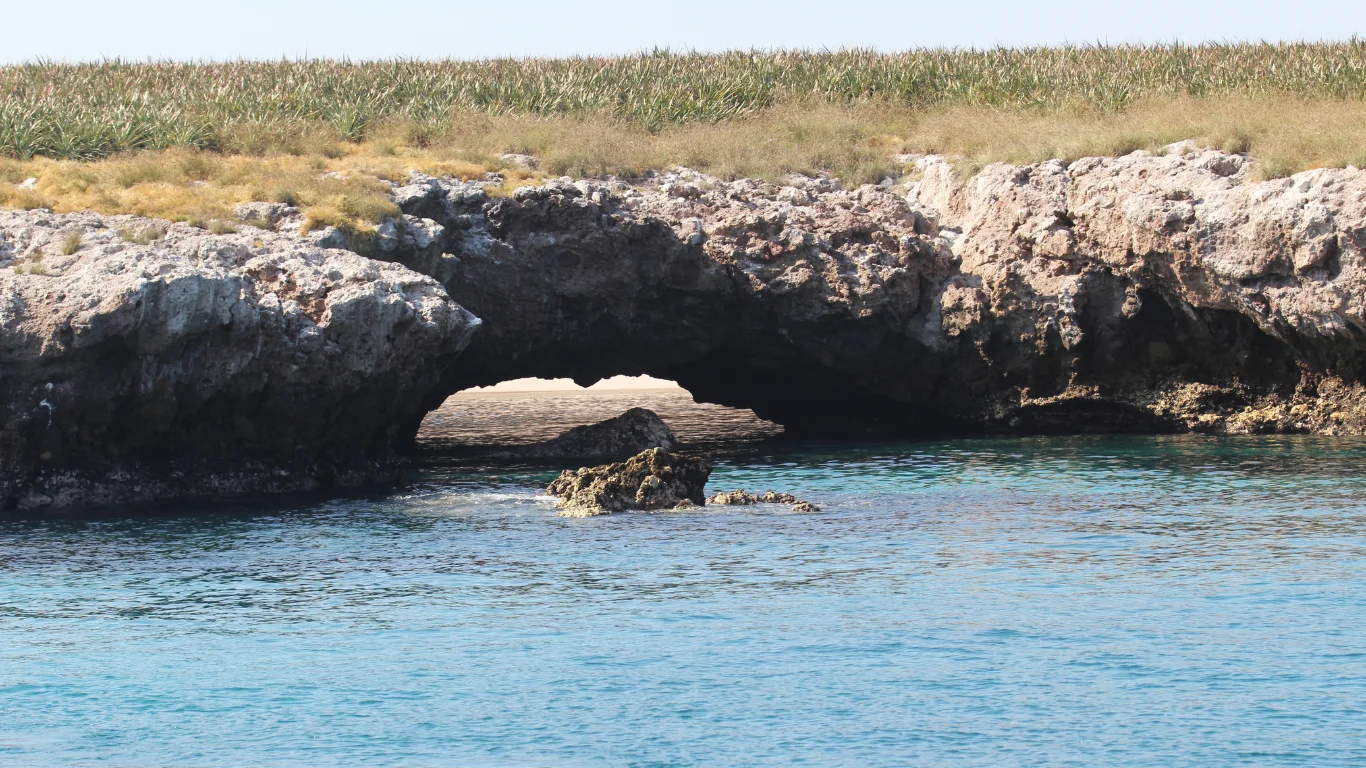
1141,293
157,361
1149,293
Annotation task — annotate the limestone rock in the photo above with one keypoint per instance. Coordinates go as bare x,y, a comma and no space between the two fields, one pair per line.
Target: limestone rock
1152,292
740,497
524,162
265,215
733,498
651,480
617,438
202,364
1073,297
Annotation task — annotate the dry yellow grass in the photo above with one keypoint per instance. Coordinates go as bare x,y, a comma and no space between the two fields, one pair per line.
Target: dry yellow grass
202,187
854,141
1284,134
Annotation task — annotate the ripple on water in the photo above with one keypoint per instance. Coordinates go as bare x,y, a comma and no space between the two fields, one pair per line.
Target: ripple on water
1069,601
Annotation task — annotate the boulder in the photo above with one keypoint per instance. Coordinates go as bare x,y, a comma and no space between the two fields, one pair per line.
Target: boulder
617,438
651,480
521,161
263,215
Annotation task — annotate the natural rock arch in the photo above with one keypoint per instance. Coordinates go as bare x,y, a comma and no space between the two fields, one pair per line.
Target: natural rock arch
1017,303
1133,294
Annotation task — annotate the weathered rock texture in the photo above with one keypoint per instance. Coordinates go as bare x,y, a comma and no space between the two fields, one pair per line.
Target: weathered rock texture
1141,293
620,437
652,480
742,498
200,364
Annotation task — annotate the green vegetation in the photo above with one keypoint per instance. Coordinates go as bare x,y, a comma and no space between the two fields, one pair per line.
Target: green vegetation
33,265
91,110
142,236
71,243
187,141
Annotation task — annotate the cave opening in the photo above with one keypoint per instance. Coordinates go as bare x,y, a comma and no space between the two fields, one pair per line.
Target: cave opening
529,410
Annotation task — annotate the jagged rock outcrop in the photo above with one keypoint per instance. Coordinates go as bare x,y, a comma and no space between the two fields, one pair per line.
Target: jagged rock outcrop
742,498
652,480
1143,293
617,438
140,360
1172,285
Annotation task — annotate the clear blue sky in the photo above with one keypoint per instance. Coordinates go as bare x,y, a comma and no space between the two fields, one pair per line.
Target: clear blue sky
363,29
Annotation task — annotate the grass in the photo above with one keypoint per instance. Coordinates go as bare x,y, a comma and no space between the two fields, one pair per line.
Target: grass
188,141
202,187
89,110
71,243
142,235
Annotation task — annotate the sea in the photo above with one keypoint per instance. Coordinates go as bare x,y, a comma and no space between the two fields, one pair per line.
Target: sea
1009,601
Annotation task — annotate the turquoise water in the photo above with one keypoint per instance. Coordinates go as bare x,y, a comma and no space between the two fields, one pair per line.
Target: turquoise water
1061,601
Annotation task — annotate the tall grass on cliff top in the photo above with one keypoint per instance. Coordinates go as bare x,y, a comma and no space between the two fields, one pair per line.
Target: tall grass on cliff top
189,141
90,110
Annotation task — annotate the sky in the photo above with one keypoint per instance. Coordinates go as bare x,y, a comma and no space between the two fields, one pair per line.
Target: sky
563,385
84,30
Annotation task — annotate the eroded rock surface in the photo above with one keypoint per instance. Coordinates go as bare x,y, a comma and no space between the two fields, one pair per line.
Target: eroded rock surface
1141,293
741,498
197,364
652,480
1165,292
620,437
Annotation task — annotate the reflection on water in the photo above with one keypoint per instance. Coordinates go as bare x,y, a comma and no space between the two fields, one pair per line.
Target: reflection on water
515,418
1052,601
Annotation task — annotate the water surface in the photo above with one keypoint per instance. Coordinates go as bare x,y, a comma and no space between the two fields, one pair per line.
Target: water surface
1064,601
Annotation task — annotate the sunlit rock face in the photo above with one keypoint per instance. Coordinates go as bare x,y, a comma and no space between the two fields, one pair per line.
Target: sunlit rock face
617,438
1141,293
198,364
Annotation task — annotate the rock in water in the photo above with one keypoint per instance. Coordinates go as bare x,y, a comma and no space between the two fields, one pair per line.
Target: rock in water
636,430
736,498
651,480
740,497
